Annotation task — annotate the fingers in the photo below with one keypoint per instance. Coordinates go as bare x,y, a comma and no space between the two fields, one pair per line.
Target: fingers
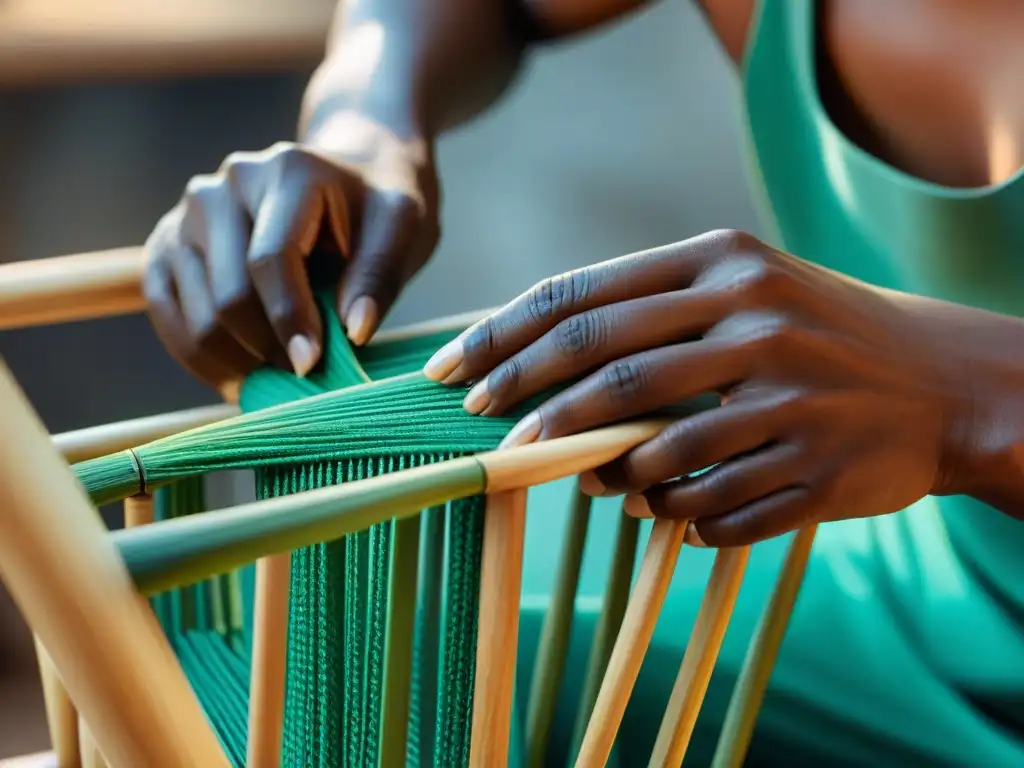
749,499
776,515
235,301
194,352
590,339
286,227
729,486
394,241
632,386
535,313
698,442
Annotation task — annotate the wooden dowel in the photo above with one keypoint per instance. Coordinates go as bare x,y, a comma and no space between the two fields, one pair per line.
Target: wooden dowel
738,727
63,288
91,757
498,634
65,575
91,442
429,327
553,647
138,510
398,650
700,657
61,716
531,465
55,42
645,603
616,598
269,661
83,286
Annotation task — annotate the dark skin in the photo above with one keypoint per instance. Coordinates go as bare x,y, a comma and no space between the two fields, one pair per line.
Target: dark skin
815,369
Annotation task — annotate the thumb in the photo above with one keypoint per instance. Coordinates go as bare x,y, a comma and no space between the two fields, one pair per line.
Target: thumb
390,249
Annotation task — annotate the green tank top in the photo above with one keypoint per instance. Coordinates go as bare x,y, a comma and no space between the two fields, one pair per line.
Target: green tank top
949,571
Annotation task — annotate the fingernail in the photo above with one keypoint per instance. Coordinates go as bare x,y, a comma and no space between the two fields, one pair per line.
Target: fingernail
444,362
303,352
693,538
590,484
478,398
362,319
635,505
526,431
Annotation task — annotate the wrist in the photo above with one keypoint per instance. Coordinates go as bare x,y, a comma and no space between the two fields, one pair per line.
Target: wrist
985,458
344,90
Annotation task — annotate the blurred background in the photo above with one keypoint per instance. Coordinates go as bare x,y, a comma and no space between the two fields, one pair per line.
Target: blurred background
618,142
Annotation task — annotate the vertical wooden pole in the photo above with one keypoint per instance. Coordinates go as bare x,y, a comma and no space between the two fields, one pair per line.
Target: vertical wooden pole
269,661
700,657
72,587
61,716
738,727
498,634
553,648
656,569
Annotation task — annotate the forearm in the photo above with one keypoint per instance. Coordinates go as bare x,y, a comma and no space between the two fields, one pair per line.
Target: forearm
421,67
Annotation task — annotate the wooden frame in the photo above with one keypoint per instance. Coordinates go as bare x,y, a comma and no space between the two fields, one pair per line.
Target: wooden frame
72,41
108,284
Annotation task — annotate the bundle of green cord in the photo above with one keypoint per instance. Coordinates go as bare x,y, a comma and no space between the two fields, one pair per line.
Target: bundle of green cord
382,625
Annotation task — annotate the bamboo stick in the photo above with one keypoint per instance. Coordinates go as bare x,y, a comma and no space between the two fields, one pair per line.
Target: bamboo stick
61,716
642,612
65,576
269,660
700,657
91,757
138,510
62,42
399,642
498,634
83,286
616,598
91,442
80,287
553,648
539,463
741,717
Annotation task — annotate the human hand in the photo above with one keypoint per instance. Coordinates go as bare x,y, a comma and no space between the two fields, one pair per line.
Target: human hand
839,399
226,280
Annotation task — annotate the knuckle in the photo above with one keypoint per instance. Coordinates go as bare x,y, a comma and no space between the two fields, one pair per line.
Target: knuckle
715,490
635,474
759,280
290,157
624,380
686,443
202,188
483,339
579,334
378,274
504,381
403,205
554,297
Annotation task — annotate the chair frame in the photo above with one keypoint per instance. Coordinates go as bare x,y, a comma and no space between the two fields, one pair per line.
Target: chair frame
47,514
